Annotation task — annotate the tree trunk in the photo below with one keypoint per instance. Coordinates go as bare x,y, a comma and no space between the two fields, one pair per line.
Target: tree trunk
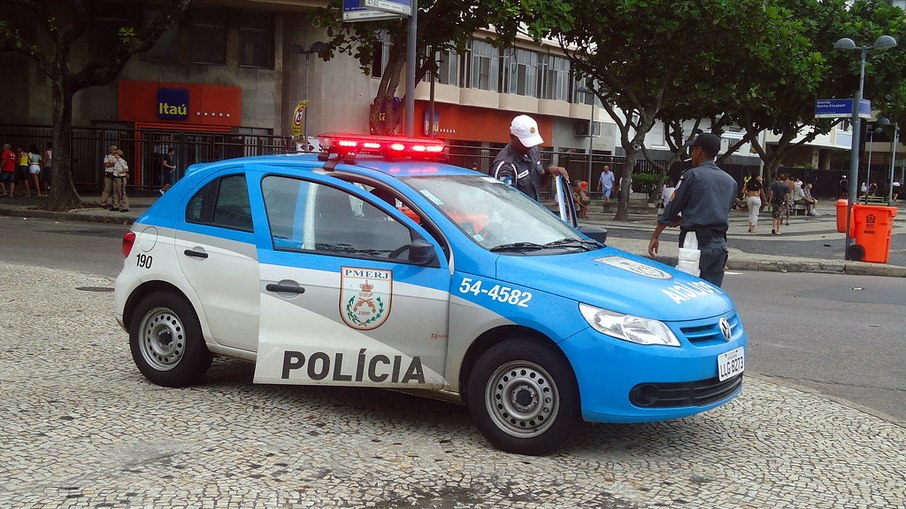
63,195
623,204
385,116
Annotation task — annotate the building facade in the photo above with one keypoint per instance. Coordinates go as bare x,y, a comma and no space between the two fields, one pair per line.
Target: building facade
233,70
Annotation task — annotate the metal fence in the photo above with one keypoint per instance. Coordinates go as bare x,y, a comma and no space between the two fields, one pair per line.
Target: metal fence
144,150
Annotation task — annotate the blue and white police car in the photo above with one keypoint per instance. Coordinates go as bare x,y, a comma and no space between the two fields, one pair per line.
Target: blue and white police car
375,264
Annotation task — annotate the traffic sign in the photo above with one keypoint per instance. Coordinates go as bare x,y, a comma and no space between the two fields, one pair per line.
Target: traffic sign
402,7
299,118
353,11
839,108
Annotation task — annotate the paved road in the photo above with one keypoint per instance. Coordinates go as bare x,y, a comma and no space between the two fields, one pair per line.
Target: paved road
94,248
81,428
840,334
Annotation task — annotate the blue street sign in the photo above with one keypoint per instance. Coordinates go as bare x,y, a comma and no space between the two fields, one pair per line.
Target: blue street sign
353,11
837,108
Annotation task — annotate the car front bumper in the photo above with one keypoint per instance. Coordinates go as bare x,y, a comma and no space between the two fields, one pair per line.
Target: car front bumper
623,382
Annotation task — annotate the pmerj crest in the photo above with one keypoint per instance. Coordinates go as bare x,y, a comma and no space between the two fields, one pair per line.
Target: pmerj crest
365,297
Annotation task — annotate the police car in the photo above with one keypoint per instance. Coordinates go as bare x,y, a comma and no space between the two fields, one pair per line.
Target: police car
374,264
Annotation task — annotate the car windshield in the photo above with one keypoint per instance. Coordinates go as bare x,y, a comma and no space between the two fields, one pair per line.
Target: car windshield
499,217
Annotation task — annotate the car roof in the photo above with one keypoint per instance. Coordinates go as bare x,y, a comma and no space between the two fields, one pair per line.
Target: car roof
399,168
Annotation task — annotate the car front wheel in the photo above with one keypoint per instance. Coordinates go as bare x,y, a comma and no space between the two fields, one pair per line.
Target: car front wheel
166,341
523,397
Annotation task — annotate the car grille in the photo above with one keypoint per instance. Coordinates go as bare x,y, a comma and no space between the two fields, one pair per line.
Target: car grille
697,393
710,333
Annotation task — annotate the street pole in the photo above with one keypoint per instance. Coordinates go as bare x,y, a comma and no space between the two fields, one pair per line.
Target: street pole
305,113
591,138
882,42
854,156
411,41
893,158
431,133
591,127
871,141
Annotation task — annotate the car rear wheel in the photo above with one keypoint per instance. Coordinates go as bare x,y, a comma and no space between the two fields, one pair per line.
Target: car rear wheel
166,341
523,397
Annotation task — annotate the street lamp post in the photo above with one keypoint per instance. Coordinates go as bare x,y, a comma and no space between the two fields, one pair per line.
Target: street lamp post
316,47
871,142
591,128
883,42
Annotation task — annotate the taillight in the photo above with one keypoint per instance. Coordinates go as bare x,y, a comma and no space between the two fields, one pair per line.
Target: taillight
128,241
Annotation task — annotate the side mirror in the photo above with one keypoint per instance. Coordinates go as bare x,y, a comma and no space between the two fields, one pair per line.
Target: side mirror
594,232
421,252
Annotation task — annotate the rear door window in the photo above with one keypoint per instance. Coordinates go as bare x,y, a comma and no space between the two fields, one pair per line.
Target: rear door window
222,202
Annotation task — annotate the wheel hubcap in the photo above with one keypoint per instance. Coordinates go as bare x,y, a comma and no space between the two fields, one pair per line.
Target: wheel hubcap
162,339
522,399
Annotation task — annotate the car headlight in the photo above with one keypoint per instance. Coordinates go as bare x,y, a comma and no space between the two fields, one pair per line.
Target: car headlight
634,329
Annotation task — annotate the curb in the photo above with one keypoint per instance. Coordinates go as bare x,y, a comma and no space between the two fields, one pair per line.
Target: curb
817,266
66,216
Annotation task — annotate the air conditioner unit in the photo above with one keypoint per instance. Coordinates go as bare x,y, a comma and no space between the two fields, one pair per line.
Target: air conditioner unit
581,129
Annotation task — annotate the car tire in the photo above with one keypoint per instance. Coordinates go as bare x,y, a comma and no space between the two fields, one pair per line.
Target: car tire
523,397
166,340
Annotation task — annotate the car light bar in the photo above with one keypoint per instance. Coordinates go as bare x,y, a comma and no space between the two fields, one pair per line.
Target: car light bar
347,146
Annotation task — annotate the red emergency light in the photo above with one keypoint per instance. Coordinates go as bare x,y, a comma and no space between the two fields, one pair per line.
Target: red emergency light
348,146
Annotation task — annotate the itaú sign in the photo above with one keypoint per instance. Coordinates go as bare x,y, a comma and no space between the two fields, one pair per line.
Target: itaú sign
172,103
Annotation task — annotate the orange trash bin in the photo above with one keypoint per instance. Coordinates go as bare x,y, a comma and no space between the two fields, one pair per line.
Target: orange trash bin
841,215
873,226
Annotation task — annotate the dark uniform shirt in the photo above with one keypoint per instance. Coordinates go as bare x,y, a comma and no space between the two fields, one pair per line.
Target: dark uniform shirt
528,168
704,196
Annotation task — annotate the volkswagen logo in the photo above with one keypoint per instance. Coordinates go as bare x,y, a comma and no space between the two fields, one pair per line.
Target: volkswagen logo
725,329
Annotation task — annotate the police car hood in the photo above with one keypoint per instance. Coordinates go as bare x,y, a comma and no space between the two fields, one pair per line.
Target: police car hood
618,281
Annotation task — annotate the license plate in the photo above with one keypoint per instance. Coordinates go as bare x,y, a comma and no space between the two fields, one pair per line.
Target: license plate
731,363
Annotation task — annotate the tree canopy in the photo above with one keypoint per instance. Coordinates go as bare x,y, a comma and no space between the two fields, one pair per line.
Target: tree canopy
443,25
61,24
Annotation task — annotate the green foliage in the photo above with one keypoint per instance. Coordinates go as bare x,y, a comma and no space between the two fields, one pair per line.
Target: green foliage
127,34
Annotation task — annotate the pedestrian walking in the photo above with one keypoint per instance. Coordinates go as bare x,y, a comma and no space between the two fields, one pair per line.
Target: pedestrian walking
22,173
7,171
168,171
780,200
754,192
519,162
109,162
701,206
605,183
120,174
34,168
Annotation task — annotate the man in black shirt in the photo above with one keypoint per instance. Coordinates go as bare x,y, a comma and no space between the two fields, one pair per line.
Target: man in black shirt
780,202
519,163
704,196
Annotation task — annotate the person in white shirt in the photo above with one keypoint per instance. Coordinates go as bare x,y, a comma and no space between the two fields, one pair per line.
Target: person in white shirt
106,195
120,173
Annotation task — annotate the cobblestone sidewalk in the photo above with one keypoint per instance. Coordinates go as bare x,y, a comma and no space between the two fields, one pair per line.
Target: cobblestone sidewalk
82,428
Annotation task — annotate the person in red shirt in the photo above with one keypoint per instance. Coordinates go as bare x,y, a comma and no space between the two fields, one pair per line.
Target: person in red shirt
7,171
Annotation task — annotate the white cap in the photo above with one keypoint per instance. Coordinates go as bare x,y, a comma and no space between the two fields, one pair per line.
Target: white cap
525,128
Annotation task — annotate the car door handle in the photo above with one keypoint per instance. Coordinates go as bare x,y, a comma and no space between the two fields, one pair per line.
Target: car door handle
278,288
196,254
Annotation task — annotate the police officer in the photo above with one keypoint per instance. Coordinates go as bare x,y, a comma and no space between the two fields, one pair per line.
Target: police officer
704,196
519,163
